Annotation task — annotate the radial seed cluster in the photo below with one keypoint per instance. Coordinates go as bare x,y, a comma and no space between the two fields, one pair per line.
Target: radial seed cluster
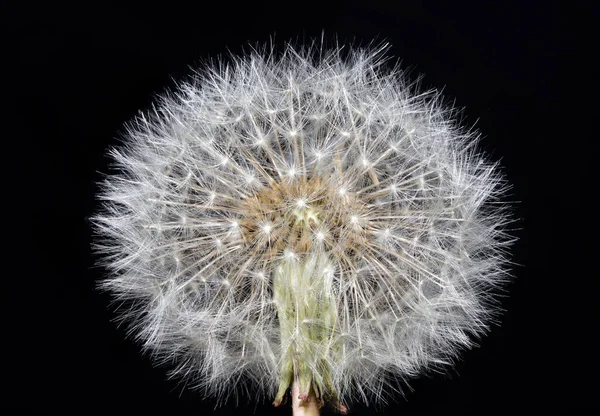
306,217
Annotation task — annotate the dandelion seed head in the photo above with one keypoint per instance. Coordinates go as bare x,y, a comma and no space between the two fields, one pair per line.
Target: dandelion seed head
306,169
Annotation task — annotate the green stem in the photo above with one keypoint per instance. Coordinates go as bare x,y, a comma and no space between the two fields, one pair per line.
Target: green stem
307,315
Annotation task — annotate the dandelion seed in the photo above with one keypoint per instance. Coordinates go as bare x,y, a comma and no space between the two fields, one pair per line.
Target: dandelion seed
301,203
307,223
292,172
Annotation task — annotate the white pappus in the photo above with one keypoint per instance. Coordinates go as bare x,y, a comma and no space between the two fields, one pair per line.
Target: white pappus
303,220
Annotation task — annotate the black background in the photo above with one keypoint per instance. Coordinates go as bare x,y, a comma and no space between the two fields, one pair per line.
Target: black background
77,71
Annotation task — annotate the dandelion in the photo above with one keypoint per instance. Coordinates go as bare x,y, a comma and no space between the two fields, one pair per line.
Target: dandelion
306,221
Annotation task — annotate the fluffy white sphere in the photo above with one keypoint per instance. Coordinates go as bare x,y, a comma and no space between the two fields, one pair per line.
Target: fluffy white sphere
303,217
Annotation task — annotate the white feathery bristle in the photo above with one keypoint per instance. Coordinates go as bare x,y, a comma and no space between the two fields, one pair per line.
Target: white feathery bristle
305,217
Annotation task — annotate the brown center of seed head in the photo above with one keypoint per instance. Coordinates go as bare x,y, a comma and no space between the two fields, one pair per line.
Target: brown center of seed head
296,214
